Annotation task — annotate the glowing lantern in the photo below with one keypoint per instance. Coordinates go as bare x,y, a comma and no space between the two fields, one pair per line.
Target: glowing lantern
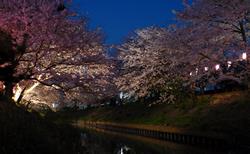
229,64
244,56
217,67
196,71
206,68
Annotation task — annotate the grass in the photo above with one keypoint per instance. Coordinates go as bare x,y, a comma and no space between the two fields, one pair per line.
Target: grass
225,112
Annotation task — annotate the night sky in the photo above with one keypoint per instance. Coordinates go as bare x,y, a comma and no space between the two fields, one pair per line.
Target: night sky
118,18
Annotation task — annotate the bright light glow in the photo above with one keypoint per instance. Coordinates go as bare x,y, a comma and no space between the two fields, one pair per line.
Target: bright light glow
190,73
217,67
32,87
206,68
244,56
229,64
196,71
54,105
121,95
18,91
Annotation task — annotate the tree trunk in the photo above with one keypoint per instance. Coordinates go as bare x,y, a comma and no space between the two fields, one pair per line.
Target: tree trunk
21,96
243,32
8,90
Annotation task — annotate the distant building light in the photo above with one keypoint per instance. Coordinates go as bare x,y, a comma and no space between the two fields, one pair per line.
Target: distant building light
54,105
196,71
217,67
244,56
121,95
190,73
229,64
206,68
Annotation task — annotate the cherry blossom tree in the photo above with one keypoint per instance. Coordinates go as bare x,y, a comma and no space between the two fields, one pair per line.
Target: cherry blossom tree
49,44
203,48
215,34
150,65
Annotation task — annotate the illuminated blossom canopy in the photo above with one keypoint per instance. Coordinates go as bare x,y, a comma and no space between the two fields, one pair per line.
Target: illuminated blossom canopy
150,65
216,34
210,44
49,44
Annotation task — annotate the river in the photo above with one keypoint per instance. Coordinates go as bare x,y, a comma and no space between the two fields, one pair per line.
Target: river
103,142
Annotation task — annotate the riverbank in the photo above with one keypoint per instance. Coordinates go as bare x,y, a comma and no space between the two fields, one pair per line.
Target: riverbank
226,113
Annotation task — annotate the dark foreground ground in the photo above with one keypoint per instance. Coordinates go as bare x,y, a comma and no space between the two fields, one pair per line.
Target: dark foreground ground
26,132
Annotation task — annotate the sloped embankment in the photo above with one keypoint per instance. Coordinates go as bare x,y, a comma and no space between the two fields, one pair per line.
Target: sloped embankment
226,113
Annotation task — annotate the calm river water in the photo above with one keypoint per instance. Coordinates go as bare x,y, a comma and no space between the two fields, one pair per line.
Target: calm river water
99,142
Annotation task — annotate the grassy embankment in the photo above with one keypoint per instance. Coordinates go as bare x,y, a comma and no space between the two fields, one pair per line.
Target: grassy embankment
26,132
225,112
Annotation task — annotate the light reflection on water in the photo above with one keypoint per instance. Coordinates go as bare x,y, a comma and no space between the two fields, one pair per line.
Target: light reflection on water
93,142
124,149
